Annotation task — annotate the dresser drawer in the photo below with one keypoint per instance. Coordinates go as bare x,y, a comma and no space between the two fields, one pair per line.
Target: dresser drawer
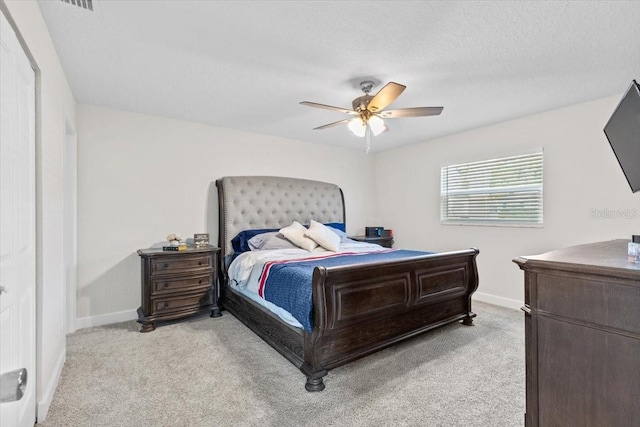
180,264
599,303
170,284
187,302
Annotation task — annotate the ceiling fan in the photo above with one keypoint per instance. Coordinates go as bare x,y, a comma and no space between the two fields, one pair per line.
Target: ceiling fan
369,111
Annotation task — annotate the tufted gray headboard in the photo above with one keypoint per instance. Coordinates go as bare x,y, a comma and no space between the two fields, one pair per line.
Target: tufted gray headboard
255,202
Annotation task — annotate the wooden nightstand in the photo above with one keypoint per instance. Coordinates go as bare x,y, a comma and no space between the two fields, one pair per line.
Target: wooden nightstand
176,284
387,242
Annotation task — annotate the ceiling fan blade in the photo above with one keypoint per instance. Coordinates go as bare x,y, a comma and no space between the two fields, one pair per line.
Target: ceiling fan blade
411,112
385,96
328,107
331,124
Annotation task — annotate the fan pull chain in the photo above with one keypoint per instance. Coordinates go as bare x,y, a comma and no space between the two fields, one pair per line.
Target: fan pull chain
367,139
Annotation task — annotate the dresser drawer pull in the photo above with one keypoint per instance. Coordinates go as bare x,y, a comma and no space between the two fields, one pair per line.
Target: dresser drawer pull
199,262
166,304
166,285
199,281
526,309
165,265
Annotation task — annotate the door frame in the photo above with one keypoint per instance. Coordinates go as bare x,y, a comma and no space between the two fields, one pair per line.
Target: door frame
70,171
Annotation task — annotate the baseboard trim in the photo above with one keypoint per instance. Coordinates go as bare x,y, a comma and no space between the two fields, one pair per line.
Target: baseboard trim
50,389
106,319
496,300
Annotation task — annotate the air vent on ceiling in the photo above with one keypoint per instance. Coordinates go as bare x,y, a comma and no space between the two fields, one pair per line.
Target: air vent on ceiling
85,4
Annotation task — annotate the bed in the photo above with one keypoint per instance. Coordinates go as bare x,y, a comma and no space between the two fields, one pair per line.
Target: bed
355,309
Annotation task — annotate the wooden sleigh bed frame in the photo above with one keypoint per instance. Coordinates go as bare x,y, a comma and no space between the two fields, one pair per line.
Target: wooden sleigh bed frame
357,310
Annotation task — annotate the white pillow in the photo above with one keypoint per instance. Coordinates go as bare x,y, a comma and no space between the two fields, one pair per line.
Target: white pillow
295,234
323,235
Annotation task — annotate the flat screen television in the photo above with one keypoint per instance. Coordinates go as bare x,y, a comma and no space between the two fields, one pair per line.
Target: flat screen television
623,133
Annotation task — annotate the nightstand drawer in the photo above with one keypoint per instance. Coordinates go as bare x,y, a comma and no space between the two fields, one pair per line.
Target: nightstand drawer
181,283
166,305
180,264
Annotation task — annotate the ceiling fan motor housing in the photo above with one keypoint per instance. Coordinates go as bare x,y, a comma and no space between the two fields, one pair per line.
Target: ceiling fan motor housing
361,103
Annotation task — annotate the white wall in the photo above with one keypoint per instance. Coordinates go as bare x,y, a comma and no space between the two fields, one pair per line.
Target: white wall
54,102
142,177
580,174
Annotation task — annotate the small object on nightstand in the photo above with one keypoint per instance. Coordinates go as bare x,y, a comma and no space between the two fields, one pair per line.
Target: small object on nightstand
201,239
373,231
178,283
176,243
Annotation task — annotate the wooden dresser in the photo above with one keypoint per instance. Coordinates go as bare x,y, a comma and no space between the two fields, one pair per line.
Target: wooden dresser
177,284
582,327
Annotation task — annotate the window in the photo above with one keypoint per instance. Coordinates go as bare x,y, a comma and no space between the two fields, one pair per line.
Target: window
506,191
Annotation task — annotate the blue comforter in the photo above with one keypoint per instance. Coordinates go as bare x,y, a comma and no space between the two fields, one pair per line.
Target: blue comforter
287,284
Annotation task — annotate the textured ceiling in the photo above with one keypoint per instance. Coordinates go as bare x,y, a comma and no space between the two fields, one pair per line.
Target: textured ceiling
247,65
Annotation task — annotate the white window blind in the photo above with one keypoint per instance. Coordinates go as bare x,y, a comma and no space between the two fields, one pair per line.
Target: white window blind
506,191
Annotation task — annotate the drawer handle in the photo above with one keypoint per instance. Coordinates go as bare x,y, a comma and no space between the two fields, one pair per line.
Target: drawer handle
166,285
526,309
166,265
199,262
166,304
199,281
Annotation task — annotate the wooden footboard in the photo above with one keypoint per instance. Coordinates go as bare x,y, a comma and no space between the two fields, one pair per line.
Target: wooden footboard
361,309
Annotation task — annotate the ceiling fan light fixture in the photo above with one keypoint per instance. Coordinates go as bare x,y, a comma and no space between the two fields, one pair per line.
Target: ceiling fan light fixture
357,127
377,125
369,112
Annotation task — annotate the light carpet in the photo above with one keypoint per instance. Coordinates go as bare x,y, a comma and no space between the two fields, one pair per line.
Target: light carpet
216,372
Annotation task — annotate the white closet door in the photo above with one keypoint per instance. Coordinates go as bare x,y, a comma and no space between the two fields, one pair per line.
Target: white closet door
17,234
